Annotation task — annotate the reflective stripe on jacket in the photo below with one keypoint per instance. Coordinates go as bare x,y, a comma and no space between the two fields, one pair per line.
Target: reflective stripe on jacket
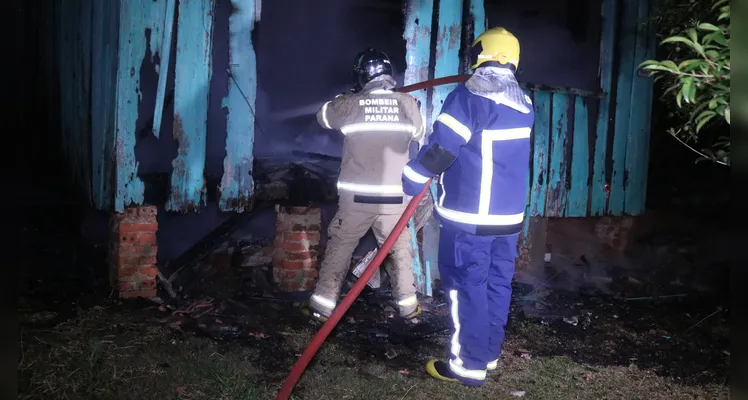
480,149
379,125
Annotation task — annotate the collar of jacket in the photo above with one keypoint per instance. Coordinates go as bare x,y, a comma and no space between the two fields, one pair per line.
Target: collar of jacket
385,82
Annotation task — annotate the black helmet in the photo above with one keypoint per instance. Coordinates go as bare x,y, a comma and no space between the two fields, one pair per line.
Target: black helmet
368,65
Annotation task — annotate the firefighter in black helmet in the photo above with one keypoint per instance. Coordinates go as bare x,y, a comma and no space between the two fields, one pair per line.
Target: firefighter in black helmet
378,125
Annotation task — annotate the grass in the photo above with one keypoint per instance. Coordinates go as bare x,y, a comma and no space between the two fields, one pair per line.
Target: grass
98,356
113,353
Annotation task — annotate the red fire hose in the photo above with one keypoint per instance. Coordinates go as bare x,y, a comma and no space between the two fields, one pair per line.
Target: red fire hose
434,82
349,298
340,310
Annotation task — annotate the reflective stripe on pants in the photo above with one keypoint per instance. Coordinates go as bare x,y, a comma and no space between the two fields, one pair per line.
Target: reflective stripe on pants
345,230
476,274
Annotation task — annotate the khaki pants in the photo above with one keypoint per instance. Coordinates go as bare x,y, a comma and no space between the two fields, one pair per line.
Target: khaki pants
345,231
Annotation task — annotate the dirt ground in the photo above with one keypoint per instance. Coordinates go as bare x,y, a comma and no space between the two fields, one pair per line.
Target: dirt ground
77,342
144,351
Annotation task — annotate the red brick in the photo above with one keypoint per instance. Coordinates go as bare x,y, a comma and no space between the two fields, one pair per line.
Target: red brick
127,238
133,252
137,274
132,262
123,286
296,264
294,247
135,285
291,286
131,249
301,236
130,228
306,228
147,284
303,255
137,293
146,238
133,257
289,275
147,211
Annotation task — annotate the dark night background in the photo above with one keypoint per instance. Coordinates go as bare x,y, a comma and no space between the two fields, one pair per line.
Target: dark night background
305,53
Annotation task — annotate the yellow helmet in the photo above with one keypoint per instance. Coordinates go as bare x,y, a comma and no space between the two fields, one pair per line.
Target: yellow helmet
496,44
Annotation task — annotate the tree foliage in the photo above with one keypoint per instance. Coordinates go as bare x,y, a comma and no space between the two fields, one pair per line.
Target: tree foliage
695,73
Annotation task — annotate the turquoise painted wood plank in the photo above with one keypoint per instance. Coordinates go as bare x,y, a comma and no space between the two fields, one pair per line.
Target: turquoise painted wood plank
417,35
530,180
580,161
541,132
418,271
559,162
637,146
447,58
627,69
104,83
237,185
598,192
138,19
431,247
163,70
647,98
478,12
191,89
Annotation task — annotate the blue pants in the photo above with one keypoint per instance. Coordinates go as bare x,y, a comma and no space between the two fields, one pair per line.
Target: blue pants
476,275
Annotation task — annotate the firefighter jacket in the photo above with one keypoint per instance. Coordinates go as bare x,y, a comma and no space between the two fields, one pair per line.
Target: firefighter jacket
480,150
379,125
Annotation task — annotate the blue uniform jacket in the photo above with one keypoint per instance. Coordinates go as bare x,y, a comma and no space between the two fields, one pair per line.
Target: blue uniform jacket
480,151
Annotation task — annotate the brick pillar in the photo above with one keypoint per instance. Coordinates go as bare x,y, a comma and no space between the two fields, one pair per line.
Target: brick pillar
296,247
132,252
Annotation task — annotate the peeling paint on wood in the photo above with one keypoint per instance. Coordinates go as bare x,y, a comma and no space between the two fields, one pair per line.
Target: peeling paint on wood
601,169
559,162
419,272
607,50
541,133
447,57
139,35
637,147
237,185
163,70
446,63
580,165
191,88
627,69
474,23
478,13
417,35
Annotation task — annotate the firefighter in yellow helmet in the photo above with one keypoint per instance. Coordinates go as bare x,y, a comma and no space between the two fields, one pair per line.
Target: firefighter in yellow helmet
480,149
